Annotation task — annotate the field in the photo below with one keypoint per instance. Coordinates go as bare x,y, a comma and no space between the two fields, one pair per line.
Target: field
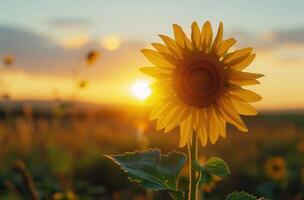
57,152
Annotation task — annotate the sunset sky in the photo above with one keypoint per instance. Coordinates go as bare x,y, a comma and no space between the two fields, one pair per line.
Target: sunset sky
49,41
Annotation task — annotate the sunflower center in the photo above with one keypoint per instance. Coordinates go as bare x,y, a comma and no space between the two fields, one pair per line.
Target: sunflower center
276,167
199,80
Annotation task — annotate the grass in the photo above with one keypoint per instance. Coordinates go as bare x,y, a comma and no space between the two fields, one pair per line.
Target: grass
62,149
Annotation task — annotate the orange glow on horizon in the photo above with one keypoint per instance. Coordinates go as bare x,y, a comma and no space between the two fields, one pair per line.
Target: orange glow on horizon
112,83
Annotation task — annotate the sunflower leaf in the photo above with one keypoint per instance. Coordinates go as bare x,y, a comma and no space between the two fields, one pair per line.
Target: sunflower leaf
152,170
243,196
213,167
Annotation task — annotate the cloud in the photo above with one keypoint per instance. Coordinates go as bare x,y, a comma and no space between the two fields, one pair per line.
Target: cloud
46,64
42,65
272,39
289,36
68,23
286,46
35,53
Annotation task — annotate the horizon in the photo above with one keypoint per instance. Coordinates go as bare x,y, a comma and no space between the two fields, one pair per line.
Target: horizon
49,47
37,104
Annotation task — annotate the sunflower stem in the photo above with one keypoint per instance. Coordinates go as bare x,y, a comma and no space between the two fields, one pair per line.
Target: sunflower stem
193,174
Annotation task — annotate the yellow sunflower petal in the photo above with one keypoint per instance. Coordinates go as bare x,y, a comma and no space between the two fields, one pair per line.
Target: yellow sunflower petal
237,56
186,130
179,35
243,78
202,135
201,127
195,118
181,38
156,58
161,48
218,39
155,112
156,72
242,107
160,122
243,63
244,82
162,85
225,46
165,52
246,95
223,127
154,99
212,125
159,108
206,37
171,44
223,133
231,115
180,115
236,98
222,122
166,113
161,90
195,36
249,75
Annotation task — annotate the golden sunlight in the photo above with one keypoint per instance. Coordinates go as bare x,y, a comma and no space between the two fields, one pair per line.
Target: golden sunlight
141,90
111,42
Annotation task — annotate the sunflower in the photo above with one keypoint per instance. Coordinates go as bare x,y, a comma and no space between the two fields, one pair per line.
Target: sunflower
8,60
302,176
92,56
199,83
275,168
211,184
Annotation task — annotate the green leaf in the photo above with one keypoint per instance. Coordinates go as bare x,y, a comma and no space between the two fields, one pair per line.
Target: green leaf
152,170
215,166
243,196
205,178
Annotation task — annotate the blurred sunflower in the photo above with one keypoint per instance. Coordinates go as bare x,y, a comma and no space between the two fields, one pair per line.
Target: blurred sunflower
209,186
8,60
57,196
302,176
199,83
301,147
92,56
83,84
275,168
69,195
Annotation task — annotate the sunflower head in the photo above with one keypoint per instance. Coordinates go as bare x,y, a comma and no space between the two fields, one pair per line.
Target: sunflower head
92,56
209,186
301,147
8,60
302,176
275,168
199,83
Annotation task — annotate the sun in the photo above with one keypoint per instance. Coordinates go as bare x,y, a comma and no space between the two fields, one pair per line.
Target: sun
141,90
